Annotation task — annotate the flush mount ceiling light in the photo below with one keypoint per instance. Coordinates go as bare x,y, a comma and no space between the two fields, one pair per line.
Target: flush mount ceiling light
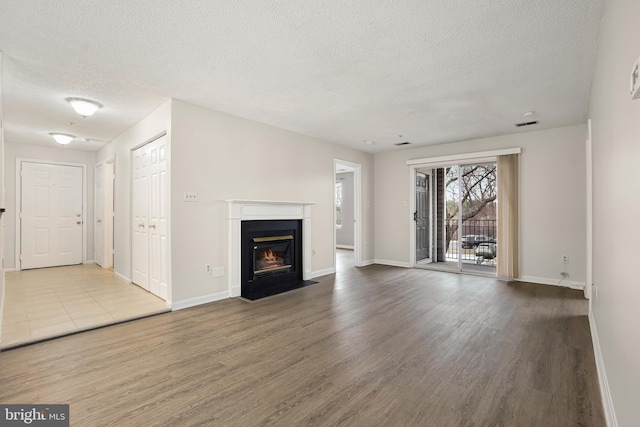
84,107
62,138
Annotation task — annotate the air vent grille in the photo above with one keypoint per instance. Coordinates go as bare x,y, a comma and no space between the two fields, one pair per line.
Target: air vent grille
399,144
519,125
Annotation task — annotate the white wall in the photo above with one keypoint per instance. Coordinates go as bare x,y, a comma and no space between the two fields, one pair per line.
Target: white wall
221,157
616,206
155,124
35,152
345,234
552,202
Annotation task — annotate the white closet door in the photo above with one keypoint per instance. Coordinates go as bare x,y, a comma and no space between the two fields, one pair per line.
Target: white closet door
149,222
158,217
51,215
98,229
140,220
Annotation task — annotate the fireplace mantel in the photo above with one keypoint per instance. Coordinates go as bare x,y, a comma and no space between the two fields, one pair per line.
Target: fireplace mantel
253,210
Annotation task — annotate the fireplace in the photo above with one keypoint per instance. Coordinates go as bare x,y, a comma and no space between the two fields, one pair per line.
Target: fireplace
271,257
242,275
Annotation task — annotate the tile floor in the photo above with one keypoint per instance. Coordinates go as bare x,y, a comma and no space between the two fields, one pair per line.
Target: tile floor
49,302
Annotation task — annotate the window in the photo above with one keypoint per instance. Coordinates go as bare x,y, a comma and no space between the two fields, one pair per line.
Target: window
338,204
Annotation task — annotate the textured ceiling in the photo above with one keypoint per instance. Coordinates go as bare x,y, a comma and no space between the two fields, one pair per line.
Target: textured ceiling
432,71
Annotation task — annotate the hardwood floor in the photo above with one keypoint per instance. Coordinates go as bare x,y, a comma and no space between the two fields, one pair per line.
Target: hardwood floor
376,346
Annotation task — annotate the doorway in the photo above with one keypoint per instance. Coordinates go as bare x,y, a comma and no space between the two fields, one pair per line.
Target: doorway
103,213
50,205
347,214
454,224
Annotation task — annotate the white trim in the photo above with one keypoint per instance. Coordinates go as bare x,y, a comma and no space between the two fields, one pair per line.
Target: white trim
90,261
18,204
204,299
367,262
319,273
357,210
9,269
464,156
549,281
122,277
344,246
391,263
589,231
605,392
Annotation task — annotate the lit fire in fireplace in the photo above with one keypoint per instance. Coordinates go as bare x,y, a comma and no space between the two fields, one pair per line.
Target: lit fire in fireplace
269,259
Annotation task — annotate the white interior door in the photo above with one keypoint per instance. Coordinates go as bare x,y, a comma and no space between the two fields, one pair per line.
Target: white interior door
98,229
150,207
50,215
158,217
140,220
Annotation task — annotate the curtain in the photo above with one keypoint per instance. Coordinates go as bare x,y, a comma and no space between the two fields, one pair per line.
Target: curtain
507,251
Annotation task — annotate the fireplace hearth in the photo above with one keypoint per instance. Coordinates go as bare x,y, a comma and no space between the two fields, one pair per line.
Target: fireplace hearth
271,257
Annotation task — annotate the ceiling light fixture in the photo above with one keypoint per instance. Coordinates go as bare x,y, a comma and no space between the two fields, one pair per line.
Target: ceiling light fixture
62,138
84,107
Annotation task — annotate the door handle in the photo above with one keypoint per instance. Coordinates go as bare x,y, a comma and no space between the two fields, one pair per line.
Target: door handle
415,216
141,225
78,222
99,221
152,226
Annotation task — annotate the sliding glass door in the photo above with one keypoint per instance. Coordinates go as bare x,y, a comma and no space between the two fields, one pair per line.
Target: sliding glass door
462,209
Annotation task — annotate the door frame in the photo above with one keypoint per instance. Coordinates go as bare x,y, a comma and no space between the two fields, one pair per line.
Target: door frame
357,210
18,224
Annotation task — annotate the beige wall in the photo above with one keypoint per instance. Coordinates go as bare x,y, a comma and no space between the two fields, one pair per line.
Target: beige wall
616,206
552,203
221,157
34,152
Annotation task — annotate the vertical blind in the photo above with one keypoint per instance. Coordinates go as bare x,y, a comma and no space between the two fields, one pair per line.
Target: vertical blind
507,251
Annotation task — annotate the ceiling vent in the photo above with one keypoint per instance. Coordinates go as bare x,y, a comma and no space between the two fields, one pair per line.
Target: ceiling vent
399,144
519,125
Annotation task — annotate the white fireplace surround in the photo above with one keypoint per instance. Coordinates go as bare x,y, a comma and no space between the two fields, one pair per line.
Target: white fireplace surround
251,210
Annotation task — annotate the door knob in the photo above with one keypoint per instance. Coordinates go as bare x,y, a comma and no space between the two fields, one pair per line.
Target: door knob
152,226
141,225
99,221
78,222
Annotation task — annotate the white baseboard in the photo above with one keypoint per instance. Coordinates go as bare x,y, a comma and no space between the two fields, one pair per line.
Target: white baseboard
344,246
192,302
123,277
607,401
552,282
367,262
319,273
90,261
392,263
6,270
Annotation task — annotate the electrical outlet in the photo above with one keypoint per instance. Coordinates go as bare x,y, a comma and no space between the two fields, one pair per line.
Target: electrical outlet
594,289
565,258
207,269
190,196
313,252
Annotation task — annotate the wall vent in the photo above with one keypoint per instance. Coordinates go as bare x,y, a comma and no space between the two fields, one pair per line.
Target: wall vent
402,143
519,125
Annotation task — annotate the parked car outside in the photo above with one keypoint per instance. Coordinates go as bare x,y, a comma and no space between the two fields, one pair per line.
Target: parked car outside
485,250
473,240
